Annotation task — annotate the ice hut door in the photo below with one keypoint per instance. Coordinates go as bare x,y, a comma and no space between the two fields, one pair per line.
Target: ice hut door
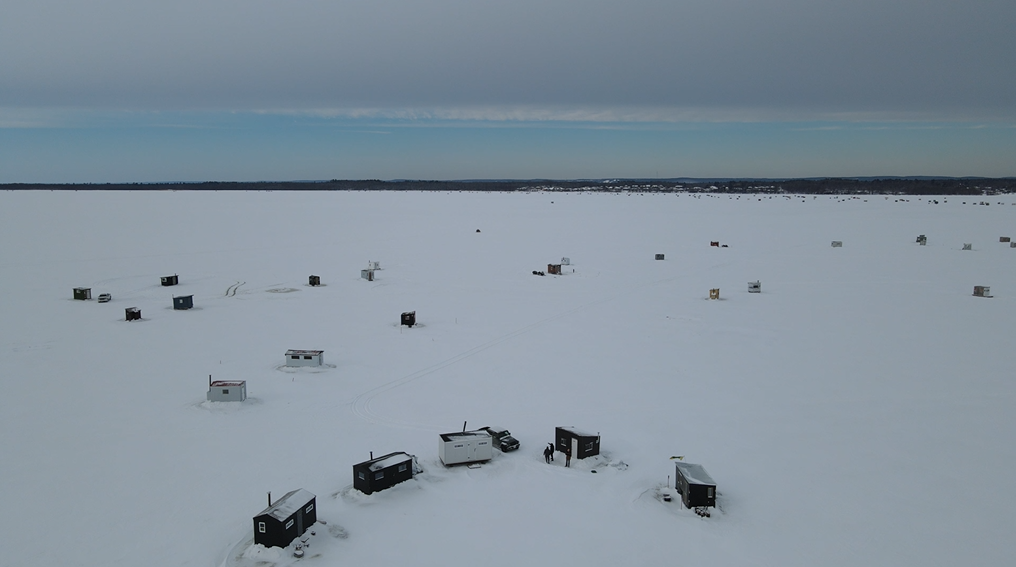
575,447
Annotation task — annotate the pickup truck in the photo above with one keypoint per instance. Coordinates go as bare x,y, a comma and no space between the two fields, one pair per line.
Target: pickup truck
502,438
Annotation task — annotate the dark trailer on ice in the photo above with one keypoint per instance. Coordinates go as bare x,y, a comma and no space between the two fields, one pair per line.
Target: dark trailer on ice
285,520
697,488
580,444
382,472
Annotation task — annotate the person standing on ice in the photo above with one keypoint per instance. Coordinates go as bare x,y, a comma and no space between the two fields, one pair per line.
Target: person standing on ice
550,447
546,454
567,457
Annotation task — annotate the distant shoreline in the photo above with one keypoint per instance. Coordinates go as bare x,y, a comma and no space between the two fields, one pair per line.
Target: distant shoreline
824,186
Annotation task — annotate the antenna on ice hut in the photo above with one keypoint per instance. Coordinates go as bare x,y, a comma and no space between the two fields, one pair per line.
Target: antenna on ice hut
209,380
463,427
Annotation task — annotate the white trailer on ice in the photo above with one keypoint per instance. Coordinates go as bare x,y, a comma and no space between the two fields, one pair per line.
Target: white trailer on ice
465,447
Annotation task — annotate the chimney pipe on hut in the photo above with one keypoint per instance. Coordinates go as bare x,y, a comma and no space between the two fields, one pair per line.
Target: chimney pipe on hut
269,499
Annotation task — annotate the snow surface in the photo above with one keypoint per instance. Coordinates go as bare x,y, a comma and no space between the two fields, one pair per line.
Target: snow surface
858,411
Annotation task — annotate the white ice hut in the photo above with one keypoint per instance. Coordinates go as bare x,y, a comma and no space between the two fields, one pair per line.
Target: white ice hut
305,357
755,287
566,261
837,244
968,246
465,447
367,275
227,391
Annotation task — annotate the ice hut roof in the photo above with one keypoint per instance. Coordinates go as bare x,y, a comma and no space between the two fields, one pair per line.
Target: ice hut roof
388,460
302,352
228,383
464,435
578,432
285,507
695,474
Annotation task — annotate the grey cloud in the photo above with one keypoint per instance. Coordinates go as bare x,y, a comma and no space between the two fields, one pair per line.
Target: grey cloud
931,56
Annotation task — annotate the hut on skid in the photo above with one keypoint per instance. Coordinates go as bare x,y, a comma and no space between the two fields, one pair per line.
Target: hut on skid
132,314
753,287
183,301
982,291
285,520
409,318
226,390
383,472
170,280
367,275
554,269
659,256
83,293
305,357
1004,239
714,293
696,487
837,244
580,444
314,280
465,447
373,265
968,246
566,261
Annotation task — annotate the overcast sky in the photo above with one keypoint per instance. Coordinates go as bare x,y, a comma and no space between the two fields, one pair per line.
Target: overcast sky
84,82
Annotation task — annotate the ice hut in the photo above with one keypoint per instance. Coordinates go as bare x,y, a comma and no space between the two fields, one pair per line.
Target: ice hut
367,275
696,487
314,280
566,261
580,444
383,472
982,291
305,357
714,293
1012,245
465,447
82,293
837,244
373,265
409,318
968,246
922,240
285,520
170,280
753,287
659,256
132,314
227,390
183,301
554,269
1004,239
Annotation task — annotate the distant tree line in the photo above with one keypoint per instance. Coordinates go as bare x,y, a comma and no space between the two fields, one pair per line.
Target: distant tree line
824,186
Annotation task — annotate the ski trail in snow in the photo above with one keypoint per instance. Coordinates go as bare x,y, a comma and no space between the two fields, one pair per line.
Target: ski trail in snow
231,290
361,404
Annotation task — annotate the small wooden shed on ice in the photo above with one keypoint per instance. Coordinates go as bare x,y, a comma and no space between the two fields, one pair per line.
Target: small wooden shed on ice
183,301
409,319
554,269
660,256
226,390
305,357
367,275
170,280
285,520
755,287
580,444
132,314
837,244
383,472
982,291
465,447
314,280
83,293
696,487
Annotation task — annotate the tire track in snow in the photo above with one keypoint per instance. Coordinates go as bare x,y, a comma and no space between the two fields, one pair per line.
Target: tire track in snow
361,404
231,290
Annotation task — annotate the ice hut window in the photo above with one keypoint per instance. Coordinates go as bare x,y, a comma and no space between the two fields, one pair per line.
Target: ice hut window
289,524
379,475
402,467
295,357
305,357
308,508
589,446
361,475
710,491
261,527
225,391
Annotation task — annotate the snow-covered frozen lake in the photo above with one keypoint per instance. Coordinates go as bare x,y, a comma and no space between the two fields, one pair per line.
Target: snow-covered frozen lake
858,411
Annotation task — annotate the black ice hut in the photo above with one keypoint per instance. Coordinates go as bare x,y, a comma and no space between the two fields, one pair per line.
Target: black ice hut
580,444
285,520
697,488
383,472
